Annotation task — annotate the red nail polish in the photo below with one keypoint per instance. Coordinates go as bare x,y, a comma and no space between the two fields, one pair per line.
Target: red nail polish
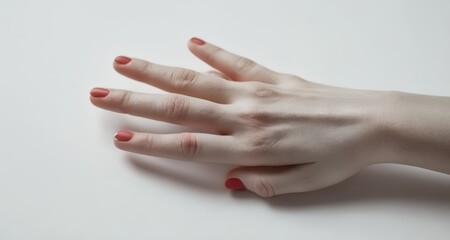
197,41
122,60
99,92
123,136
234,184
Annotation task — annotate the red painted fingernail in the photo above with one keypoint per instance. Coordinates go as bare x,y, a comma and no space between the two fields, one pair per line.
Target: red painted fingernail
122,60
123,136
99,92
234,184
197,41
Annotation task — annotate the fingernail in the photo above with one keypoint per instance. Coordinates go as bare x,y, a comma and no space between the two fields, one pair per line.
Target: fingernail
197,41
99,92
122,60
123,136
234,184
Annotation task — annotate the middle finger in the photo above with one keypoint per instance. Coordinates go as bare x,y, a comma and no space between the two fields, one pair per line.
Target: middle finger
179,80
172,108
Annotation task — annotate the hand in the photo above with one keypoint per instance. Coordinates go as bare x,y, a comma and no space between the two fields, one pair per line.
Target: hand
287,134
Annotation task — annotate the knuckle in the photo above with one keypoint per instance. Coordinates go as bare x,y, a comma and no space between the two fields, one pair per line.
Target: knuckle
144,66
259,147
255,117
262,187
125,102
176,106
148,142
244,64
187,144
264,93
290,80
183,78
261,90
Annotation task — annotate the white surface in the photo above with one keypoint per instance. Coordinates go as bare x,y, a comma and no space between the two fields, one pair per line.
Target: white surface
61,177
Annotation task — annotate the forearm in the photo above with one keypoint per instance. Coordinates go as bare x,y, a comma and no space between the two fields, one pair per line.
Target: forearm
417,129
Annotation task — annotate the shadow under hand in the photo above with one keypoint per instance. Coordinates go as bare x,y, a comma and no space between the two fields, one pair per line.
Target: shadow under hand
201,175
383,183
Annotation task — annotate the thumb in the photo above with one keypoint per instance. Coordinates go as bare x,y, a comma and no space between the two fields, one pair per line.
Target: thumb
265,181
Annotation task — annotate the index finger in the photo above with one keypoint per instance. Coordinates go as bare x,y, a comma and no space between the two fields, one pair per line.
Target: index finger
236,67
177,80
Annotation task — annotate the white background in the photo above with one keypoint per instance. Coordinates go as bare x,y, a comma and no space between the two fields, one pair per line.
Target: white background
62,178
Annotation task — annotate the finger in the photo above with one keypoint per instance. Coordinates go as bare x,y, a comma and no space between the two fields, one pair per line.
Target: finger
272,181
181,146
218,74
177,80
236,67
173,108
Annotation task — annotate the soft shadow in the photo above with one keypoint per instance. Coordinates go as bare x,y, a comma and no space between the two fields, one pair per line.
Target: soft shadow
200,175
375,184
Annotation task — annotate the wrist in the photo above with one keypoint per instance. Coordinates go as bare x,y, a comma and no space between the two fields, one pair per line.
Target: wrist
415,130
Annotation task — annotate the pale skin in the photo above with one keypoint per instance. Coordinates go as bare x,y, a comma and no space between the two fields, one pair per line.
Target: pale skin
287,134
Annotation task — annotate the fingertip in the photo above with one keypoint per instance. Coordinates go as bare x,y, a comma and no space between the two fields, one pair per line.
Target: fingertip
234,183
99,92
135,68
197,41
122,63
258,180
102,97
234,179
122,60
123,136
196,45
122,139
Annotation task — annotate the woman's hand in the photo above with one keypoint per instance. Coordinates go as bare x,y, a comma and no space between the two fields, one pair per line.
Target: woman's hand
287,134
